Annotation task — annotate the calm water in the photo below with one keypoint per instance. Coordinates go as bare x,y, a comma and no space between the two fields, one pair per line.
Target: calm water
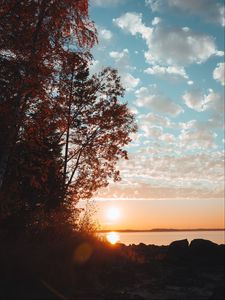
165,238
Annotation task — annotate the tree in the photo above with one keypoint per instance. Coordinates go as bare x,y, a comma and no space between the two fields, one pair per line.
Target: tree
33,38
62,131
34,177
97,126
71,141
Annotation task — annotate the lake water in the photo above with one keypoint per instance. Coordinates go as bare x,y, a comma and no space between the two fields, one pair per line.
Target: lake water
165,238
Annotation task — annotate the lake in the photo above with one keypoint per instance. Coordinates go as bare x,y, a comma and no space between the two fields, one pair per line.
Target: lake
163,238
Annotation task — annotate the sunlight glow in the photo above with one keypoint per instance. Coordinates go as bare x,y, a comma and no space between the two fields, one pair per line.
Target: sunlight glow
113,213
113,237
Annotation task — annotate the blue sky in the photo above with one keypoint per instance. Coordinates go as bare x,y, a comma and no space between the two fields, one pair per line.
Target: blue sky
170,56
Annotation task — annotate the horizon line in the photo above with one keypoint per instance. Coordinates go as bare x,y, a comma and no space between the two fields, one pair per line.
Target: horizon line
160,230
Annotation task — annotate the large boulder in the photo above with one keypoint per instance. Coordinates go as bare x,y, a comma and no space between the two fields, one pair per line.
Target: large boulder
203,251
178,250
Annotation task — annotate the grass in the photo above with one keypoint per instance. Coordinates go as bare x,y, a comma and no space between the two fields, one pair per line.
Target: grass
61,264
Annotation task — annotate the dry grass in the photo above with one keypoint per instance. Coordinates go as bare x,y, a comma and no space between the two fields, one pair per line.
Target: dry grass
63,261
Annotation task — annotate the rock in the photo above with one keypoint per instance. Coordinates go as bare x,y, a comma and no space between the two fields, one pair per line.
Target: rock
178,250
204,251
181,244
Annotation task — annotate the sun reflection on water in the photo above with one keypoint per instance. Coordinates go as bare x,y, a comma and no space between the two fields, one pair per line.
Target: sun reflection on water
113,237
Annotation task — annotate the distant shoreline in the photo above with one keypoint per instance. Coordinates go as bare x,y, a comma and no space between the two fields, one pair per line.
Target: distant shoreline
162,230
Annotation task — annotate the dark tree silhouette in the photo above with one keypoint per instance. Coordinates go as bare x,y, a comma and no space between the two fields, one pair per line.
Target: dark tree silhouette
33,35
62,131
97,126
33,38
34,176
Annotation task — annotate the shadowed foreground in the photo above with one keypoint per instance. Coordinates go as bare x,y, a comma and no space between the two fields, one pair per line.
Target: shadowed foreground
74,266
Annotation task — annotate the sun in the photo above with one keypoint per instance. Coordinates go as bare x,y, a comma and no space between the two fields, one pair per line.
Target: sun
113,237
113,213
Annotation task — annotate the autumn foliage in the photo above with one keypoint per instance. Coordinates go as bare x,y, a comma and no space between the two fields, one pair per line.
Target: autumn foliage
62,130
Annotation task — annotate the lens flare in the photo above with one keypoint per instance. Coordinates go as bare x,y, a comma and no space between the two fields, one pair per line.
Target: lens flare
82,253
113,237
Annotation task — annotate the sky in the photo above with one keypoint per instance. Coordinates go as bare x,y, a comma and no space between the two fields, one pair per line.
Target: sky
170,56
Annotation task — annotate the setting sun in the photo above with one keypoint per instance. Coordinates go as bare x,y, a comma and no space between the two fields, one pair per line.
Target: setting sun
113,213
113,237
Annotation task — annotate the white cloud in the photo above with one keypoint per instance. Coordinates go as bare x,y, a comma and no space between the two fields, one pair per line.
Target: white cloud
105,3
104,34
132,22
155,5
152,131
156,21
218,73
197,139
158,102
211,10
167,137
153,126
150,176
121,59
155,131
177,46
198,101
215,102
155,119
129,81
105,37
214,122
171,46
194,99
122,63
173,73
119,55
187,125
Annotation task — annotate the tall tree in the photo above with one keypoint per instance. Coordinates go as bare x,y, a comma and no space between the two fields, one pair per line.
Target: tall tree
62,131
97,126
71,140
33,38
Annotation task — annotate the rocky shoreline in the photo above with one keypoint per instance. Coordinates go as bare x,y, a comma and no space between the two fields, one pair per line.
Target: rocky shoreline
179,271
